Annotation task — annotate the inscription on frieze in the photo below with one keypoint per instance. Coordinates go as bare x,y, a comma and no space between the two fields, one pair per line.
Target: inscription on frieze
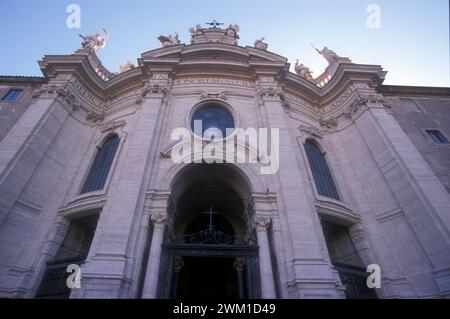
223,81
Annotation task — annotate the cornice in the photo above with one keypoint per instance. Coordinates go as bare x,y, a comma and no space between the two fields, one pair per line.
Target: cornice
414,91
206,57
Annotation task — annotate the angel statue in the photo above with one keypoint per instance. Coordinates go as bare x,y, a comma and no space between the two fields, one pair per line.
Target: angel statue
328,54
303,71
95,42
169,40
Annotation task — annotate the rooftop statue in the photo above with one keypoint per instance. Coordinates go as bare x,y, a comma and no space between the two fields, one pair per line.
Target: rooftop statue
95,42
233,30
259,44
169,40
328,54
127,66
303,71
197,30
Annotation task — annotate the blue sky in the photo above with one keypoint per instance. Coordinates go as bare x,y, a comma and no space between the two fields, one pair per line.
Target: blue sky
412,43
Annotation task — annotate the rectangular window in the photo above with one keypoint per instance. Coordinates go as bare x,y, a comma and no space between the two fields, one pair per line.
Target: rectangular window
437,136
12,95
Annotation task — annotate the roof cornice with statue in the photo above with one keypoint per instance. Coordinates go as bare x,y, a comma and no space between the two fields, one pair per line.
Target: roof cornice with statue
211,50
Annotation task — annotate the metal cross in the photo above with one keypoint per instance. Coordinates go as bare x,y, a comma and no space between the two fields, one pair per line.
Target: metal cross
214,23
210,217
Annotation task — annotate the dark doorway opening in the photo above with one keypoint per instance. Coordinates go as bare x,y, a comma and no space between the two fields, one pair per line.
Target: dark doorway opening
73,250
347,261
208,278
210,252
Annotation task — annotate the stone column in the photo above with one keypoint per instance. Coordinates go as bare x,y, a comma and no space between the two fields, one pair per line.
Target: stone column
265,263
239,264
154,258
411,194
178,265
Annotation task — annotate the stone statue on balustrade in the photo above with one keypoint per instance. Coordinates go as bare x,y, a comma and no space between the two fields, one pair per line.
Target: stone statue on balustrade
126,67
93,43
169,40
197,30
260,44
303,71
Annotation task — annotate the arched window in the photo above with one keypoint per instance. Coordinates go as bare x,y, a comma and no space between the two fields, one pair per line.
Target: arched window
215,119
321,173
100,167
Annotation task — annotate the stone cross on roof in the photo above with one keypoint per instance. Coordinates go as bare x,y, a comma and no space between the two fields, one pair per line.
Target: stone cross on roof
214,23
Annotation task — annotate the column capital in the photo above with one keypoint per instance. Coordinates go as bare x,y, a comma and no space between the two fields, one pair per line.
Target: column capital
239,264
178,263
261,223
159,220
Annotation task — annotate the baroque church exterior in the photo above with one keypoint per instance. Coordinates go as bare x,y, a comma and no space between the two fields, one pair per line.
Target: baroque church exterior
88,179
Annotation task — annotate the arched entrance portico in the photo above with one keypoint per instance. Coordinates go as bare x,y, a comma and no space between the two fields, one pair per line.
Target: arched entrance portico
209,248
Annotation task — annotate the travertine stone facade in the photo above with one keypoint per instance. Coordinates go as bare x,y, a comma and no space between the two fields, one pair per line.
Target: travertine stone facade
393,182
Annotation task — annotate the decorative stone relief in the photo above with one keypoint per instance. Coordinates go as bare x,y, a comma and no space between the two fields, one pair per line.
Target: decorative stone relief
269,89
347,93
330,122
219,95
156,87
363,100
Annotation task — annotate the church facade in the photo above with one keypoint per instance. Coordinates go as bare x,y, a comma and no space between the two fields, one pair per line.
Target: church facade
91,194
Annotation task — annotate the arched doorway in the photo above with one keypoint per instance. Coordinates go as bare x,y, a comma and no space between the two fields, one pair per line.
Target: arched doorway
210,251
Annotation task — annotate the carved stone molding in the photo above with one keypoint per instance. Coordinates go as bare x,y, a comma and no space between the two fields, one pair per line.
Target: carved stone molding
341,99
365,100
47,90
270,92
113,125
69,91
311,130
330,122
336,211
68,97
58,91
95,116
83,203
166,151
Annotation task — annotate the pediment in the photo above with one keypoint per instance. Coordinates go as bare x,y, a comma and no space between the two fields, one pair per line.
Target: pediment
211,51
